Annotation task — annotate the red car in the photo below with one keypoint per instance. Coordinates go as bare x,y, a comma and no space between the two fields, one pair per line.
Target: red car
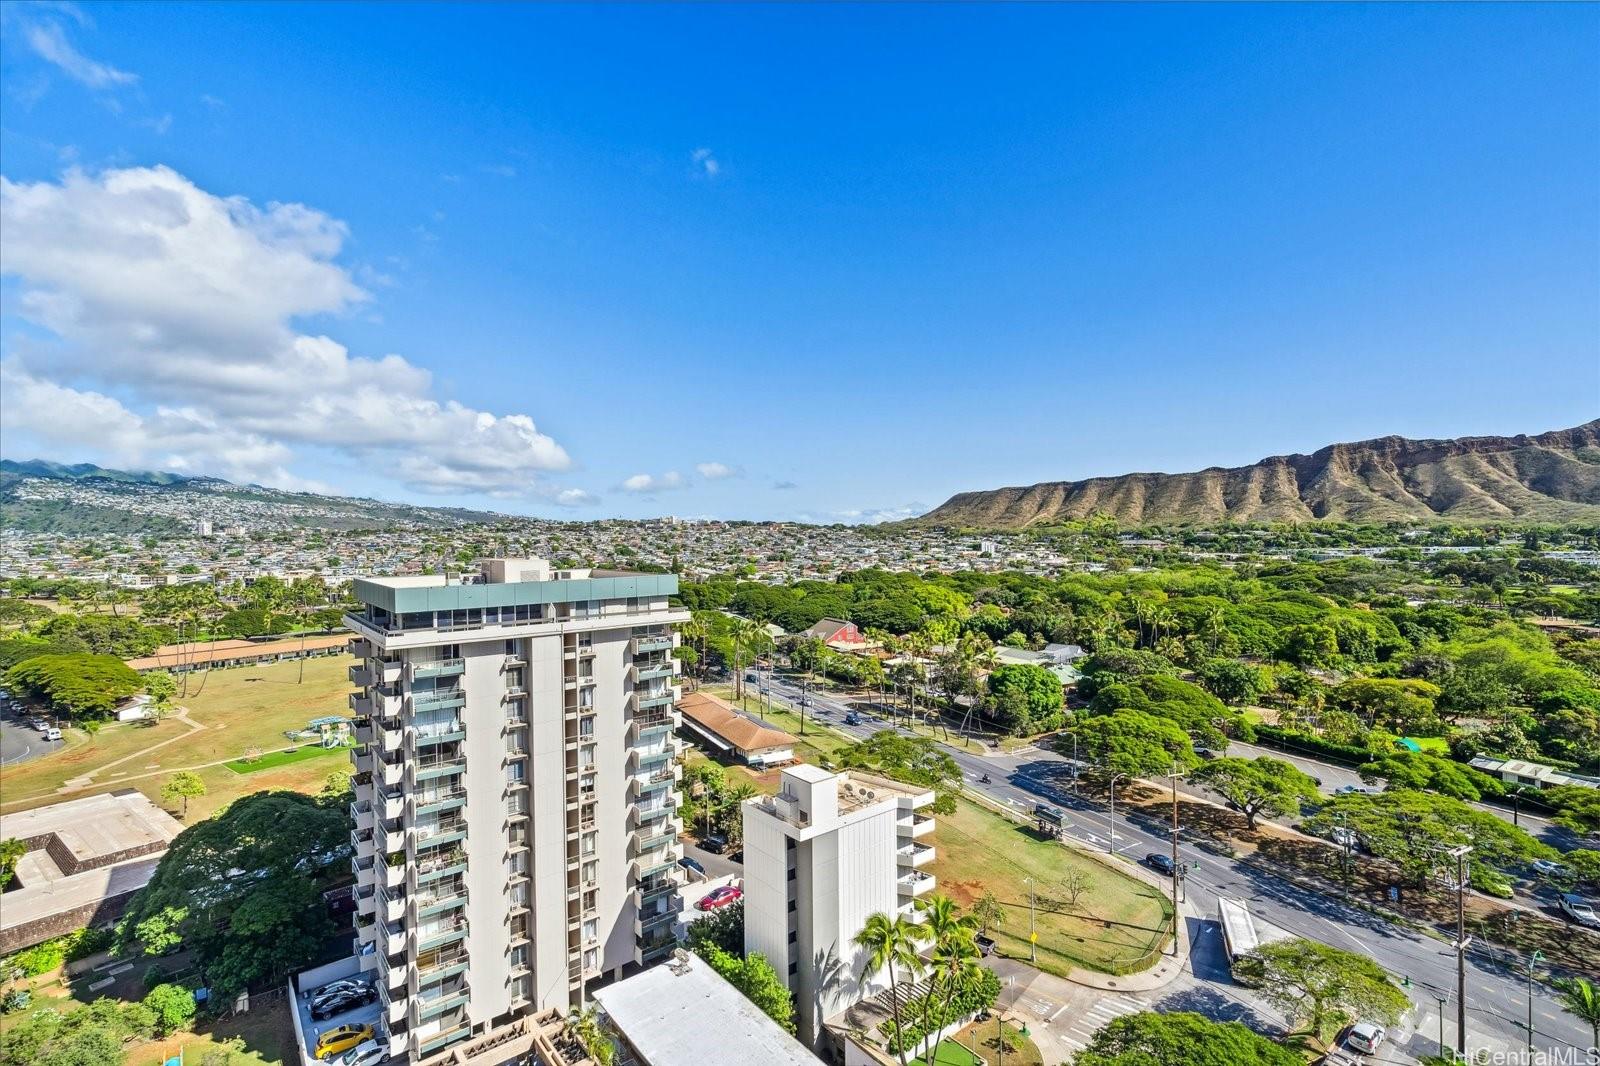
719,897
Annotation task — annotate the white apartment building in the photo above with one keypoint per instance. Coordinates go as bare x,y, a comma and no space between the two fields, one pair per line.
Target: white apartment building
516,811
820,857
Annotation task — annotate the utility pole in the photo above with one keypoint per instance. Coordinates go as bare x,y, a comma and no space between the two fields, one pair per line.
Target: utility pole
1033,936
1344,847
1459,853
1534,960
1177,870
1074,762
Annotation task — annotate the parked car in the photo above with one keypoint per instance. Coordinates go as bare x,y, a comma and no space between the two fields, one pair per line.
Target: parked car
692,865
337,986
1579,910
714,842
336,1003
39,723
1159,862
1548,868
852,718
719,897
1346,838
1365,1037
52,733
1357,790
341,1039
366,1054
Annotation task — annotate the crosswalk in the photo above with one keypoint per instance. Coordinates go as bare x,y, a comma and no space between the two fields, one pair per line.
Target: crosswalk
1076,1030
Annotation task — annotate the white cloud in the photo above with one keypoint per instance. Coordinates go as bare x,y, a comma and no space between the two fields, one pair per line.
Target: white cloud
706,162
184,440
713,471
49,41
165,295
643,483
784,486
872,516
575,498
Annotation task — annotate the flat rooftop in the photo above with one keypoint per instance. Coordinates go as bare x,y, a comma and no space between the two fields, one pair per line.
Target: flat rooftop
681,1013
74,852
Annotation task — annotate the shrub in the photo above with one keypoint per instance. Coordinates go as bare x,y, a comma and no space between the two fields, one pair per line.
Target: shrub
171,1007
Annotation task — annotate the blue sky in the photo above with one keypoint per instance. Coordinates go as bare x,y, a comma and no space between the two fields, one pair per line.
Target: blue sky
833,262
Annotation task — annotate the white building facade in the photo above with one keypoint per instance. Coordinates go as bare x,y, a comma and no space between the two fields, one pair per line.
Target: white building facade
515,811
819,858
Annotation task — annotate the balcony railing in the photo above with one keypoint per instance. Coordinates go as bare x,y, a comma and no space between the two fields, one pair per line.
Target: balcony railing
428,701
440,832
439,799
434,965
438,668
443,933
439,766
440,861
440,733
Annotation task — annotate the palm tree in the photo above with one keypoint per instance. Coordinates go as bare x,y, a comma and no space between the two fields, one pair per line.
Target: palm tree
697,628
891,943
1581,998
956,961
950,933
746,634
731,803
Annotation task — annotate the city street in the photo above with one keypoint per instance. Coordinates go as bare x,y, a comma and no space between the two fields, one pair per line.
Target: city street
1496,997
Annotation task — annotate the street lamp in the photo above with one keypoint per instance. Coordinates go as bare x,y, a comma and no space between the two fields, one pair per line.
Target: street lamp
1111,845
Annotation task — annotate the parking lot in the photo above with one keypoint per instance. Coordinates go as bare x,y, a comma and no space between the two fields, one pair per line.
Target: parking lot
20,741
311,1029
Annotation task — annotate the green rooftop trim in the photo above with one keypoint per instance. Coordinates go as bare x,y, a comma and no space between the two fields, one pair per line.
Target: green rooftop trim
407,600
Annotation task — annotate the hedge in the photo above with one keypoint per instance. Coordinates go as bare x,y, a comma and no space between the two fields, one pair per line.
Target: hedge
1305,742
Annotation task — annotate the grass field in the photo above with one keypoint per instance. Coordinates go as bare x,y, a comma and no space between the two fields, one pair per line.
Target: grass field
956,1050
1117,921
274,759
239,711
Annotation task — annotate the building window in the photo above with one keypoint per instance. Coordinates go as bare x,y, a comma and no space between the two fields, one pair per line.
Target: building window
517,772
591,930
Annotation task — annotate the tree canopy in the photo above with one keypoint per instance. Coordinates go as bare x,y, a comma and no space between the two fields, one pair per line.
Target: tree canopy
242,887
1181,1038
1259,786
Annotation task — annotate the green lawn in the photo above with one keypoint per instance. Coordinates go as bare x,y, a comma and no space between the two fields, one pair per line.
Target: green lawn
242,710
1020,1050
274,759
949,1053
1118,921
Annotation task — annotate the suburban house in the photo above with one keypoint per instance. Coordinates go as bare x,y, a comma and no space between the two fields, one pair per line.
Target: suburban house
1065,672
726,730
836,634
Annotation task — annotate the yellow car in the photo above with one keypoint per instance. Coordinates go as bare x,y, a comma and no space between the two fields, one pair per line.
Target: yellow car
342,1039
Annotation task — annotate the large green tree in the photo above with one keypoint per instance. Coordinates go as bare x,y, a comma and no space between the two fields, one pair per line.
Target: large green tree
1412,829
89,686
1259,786
1323,986
244,888
1181,1038
1133,744
1024,698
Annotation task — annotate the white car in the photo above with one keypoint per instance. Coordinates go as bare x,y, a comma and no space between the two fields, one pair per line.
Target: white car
367,1053
1580,910
1357,790
1547,868
1365,1037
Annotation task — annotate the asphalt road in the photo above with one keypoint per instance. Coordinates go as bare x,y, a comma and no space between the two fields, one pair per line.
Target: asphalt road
1496,996
20,742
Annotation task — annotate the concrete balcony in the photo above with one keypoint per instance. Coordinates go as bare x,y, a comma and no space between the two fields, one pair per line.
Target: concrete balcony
437,701
642,645
390,773
649,922
653,889
438,733
437,936
361,816
435,966
389,805
448,896
366,902
914,884
446,831
914,828
361,676
395,1012
392,874
391,905
440,865
360,704
913,855
361,648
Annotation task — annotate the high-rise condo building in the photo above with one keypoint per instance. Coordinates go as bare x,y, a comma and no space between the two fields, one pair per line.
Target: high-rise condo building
516,812
820,857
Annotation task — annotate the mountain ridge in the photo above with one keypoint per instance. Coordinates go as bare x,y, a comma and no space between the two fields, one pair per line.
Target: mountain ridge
1552,476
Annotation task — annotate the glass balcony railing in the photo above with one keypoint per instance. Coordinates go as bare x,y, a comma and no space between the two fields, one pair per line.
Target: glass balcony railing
438,668
428,701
